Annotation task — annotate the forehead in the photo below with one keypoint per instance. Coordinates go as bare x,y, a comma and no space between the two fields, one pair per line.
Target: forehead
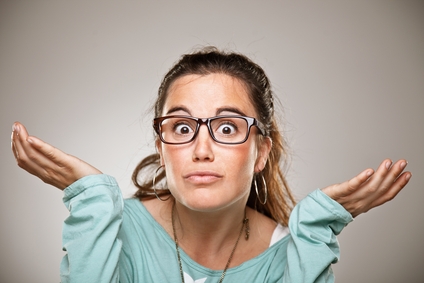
206,96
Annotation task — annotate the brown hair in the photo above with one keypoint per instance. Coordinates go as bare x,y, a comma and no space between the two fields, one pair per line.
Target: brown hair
210,60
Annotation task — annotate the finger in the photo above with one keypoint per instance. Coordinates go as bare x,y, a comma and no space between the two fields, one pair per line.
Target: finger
22,159
374,182
56,167
31,147
18,137
47,162
393,190
19,144
393,173
11,140
356,182
27,157
349,187
39,165
385,175
12,144
19,134
50,152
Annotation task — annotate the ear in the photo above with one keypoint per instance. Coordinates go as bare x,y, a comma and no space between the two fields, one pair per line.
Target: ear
158,145
263,152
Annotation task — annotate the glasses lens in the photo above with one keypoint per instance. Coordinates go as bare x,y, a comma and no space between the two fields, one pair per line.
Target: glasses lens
177,129
229,129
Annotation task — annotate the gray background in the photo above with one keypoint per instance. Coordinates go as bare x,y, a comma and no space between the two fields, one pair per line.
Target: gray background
83,74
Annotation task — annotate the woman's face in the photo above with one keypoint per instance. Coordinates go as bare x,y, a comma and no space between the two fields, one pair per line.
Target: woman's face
205,175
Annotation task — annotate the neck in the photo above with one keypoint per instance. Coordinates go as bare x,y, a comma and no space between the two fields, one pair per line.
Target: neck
209,237
201,224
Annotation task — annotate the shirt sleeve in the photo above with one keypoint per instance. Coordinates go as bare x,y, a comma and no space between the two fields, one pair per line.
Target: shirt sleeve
314,224
90,232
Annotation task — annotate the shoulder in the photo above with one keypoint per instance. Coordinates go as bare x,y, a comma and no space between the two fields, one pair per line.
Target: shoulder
141,221
160,211
263,225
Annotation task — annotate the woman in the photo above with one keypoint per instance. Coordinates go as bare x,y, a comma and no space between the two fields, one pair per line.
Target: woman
212,204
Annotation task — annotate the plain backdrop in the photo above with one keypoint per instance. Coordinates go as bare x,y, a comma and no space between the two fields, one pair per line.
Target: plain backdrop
83,75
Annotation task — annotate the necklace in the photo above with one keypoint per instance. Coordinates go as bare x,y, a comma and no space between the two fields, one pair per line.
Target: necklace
244,227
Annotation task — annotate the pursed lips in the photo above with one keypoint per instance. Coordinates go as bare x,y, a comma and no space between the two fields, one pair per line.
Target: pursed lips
202,176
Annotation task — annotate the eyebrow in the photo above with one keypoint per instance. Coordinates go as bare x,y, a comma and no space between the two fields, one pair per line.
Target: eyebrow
178,108
218,111
230,109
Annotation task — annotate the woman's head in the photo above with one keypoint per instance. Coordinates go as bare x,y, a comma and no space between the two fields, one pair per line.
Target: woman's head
210,165
256,86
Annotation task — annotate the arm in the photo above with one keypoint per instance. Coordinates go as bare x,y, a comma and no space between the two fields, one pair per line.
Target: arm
93,200
314,224
316,220
90,233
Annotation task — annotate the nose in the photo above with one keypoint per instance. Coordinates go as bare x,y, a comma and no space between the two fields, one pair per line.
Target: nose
203,145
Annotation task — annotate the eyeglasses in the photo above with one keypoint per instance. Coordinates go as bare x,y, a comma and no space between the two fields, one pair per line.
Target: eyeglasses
223,129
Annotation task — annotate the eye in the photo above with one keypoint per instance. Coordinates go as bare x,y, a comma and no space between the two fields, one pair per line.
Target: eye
182,128
227,128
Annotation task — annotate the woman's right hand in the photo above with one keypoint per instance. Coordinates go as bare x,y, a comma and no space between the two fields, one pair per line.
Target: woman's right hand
48,163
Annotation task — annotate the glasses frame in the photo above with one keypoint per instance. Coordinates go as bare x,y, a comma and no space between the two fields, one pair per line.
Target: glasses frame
207,121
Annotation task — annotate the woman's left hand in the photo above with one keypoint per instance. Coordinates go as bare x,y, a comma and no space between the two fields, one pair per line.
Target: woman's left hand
370,189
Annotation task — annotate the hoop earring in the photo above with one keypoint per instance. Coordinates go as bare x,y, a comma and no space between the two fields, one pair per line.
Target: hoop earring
154,184
265,191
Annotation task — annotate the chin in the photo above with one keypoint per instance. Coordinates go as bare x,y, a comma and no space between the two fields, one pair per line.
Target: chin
208,203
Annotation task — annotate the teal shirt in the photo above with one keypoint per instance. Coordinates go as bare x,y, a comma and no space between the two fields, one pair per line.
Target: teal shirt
111,240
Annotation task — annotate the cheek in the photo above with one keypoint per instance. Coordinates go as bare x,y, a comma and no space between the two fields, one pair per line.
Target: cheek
174,159
168,152
242,162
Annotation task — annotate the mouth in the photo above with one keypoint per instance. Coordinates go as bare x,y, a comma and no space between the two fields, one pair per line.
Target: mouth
202,177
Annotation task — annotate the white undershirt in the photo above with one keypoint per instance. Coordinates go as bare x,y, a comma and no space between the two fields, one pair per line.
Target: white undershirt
279,233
